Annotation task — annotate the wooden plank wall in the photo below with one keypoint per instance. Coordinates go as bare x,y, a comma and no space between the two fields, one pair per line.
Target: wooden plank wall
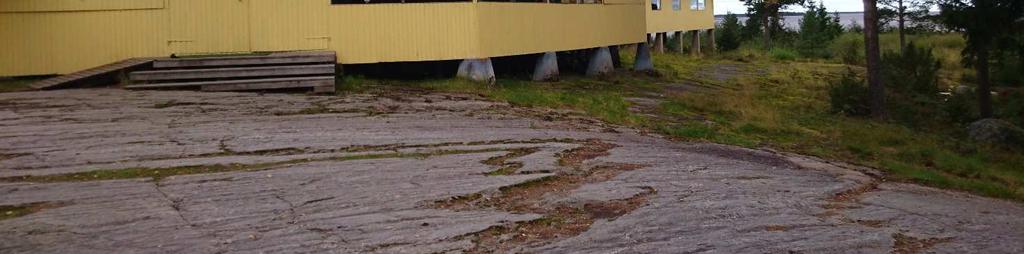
63,36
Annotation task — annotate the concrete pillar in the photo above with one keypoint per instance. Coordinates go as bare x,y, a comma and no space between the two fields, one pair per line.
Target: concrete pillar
643,58
616,60
480,70
659,42
546,68
679,38
695,43
600,62
711,41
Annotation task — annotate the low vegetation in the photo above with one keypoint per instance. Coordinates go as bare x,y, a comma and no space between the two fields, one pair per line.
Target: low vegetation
16,84
158,174
15,211
755,98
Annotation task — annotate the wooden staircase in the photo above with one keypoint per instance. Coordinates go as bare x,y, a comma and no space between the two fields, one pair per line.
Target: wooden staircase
286,70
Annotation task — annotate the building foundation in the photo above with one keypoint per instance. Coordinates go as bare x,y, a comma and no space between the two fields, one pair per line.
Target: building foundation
480,70
546,68
659,42
600,62
711,40
681,46
643,60
695,43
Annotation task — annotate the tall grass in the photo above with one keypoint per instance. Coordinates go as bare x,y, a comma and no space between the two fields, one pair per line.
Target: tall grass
946,47
598,98
786,108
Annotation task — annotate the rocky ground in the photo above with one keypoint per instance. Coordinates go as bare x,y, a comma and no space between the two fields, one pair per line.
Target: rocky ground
105,170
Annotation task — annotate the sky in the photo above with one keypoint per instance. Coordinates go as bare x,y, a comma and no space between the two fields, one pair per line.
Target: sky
736,6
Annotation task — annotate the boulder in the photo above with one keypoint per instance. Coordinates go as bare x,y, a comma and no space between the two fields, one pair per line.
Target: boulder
995,131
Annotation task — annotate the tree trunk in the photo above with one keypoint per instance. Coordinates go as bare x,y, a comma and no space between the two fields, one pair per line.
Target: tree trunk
767,36
901,15
984,88
871,51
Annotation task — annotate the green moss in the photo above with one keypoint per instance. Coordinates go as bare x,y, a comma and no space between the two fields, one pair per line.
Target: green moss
15,211
157,174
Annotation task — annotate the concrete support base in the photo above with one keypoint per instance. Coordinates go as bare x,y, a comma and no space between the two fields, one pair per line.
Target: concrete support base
679,39
600,62
659,42
643,58
695,43
711,40
546,68
480,70
616,60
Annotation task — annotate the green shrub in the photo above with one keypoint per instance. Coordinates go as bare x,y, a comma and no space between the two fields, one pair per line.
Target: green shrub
849,96
1008,70
752,28
912,83
1010,107
849,48
783,54
817,30
915,71
672,42
729,33
961,108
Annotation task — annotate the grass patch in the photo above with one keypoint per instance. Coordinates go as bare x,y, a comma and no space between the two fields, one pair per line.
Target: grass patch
783,54
15,211
8,85
786,108
157,174
505,167
604,99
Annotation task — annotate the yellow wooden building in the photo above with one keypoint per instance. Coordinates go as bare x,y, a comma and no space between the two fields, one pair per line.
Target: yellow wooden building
39,37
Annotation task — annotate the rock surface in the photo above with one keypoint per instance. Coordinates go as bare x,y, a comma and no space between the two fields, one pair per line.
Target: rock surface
365,173
995,131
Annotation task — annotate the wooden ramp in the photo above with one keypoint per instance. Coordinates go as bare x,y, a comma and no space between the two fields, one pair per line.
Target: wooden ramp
286,70
106,74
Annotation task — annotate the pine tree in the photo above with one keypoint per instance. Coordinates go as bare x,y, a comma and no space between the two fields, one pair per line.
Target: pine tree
817,30
768,13
874,63
906,10
729,34
984,24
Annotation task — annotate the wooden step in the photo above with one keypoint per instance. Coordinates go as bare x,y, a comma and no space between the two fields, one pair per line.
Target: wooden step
269,59
247,84
238,72
92,73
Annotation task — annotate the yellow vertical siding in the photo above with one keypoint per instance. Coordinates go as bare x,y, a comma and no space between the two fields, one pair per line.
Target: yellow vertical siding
373,33
289,25
522,28
77,5
62,36
63,42
669,20
208,26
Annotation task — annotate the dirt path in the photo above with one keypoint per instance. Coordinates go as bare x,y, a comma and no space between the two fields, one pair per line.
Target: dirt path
115,171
